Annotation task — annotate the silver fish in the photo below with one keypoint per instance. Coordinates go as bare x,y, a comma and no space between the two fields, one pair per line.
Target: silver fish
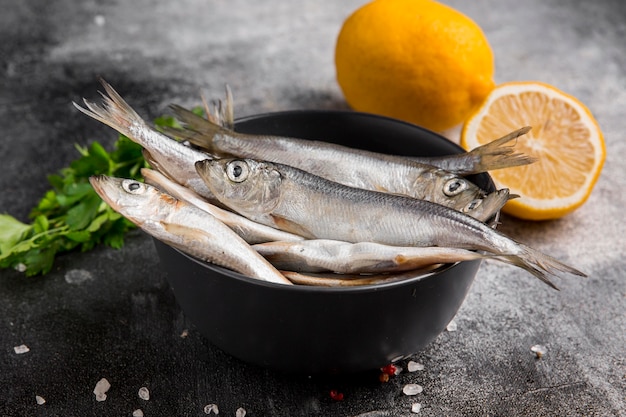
351,280
299,202
250,231
364,169
183,226
497,154
324,255
172,157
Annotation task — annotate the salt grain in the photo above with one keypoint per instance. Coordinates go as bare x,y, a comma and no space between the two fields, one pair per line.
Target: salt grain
452,327
21,349
241,412
99,20
415,408
211,408
101,389
412,389
40,400
138,413
78,276
143,393
539,350
413,366
21,267
184,333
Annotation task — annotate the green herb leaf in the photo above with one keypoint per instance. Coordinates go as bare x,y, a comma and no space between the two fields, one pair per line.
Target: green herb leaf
71,215
11,232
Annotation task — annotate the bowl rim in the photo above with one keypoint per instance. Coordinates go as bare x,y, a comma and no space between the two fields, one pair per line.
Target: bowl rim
322,289
344,112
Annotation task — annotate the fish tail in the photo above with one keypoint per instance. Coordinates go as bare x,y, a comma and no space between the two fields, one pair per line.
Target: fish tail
114,111
200,131
539,264
499,153
203,128
222,112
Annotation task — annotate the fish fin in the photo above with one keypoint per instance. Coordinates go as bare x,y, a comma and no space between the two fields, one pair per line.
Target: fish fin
228,119
198,139
113,112
499,154
222,112
539,264
197,130
182,230
287,225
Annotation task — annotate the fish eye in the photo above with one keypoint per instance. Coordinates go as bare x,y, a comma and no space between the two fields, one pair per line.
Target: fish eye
454,186
133,187
237,171
472,205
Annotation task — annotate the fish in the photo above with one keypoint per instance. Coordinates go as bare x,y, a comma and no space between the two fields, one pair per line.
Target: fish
324,255
171,156
251,232
497,154
351,280
361,168
299,202
183,226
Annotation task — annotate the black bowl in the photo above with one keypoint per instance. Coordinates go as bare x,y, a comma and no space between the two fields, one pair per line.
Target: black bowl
324,330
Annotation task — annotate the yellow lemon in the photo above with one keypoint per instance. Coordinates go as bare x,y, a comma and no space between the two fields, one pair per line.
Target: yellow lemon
565,139
415,60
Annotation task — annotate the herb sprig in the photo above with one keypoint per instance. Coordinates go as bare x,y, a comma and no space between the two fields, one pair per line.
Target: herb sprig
71,215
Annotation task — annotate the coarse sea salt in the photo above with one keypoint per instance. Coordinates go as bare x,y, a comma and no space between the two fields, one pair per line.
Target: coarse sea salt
138,413
144,394
416,408
21,349
101,389
99,20
211,408
412,389
77,276
413,366
241,412
40,400
539,350
452,327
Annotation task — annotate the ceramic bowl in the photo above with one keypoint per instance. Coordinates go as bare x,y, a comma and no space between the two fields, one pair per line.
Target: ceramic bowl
324,330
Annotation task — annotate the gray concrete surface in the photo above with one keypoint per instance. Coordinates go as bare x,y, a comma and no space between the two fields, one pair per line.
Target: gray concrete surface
122,323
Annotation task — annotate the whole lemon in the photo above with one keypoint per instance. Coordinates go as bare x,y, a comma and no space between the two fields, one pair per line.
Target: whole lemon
415,60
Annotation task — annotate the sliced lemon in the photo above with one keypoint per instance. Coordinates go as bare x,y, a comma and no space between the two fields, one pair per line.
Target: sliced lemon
565,138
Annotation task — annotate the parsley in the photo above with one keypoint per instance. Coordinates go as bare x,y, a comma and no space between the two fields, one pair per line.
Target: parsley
71,215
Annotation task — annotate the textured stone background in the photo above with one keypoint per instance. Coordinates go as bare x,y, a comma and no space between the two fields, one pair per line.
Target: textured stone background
122,322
